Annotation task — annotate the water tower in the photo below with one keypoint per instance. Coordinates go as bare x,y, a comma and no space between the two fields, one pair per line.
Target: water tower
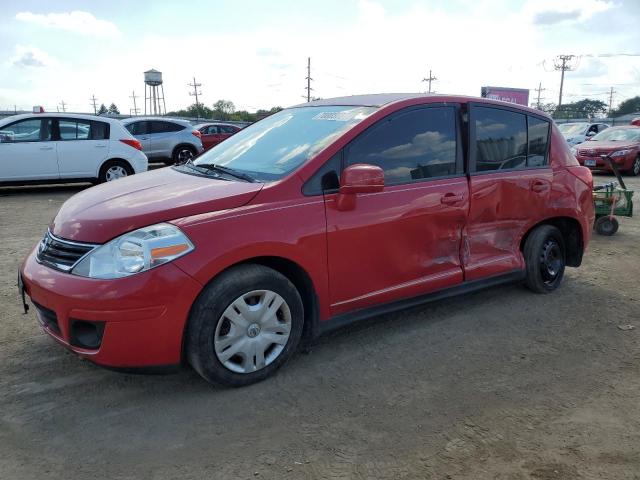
154,93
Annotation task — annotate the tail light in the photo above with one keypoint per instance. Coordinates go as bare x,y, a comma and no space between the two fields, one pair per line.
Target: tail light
196,133
583,174
132,142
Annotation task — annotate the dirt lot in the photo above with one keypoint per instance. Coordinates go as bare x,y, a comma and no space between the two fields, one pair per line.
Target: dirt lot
503,384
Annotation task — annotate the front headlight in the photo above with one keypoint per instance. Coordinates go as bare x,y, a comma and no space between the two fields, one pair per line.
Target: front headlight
620,153
135,252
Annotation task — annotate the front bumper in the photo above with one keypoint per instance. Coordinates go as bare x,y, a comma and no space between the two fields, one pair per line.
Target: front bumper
142,316
597,163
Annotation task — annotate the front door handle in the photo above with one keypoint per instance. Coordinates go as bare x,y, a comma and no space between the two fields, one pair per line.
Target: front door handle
451,198
100,146
46,148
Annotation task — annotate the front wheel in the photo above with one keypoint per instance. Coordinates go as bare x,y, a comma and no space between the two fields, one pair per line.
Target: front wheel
635,167
244,326
545,258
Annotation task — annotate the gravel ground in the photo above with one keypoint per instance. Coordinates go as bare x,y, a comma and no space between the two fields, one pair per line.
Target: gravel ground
502,384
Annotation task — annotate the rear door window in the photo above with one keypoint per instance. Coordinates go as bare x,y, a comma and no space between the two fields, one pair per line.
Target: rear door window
500,139
419,143
157,126
72,129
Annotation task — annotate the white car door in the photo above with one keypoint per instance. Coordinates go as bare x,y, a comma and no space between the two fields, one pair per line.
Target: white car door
27,151
82,147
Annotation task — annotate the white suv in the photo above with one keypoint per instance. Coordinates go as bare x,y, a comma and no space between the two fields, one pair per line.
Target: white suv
44,147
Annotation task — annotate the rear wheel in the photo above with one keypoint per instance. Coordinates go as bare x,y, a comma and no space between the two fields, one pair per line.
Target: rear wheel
182,154
545,258
113,170
244,326
606,225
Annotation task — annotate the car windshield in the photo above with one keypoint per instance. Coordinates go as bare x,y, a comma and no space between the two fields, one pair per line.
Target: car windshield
271,148
570,129
618,135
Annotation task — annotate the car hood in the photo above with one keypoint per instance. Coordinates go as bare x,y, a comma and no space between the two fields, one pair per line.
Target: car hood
607,146
101,213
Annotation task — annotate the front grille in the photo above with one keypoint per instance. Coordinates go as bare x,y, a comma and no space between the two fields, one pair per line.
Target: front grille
48,318
61,254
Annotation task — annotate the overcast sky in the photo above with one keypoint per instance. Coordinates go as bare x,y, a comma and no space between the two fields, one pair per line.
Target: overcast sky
254,53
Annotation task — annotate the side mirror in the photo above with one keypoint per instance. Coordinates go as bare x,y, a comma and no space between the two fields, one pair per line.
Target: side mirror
590,134
358,178
361,178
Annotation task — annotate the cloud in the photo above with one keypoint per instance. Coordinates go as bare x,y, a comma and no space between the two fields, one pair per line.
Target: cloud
550,17
26,57
77,21
552,12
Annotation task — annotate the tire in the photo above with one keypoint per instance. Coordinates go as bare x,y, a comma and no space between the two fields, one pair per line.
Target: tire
182,154
114,169
545,258
606,225
223,342
634,171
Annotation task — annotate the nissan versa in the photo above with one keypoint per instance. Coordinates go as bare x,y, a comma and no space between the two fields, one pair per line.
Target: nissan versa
319,215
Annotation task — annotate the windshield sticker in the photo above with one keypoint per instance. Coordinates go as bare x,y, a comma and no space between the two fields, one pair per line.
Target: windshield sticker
337,116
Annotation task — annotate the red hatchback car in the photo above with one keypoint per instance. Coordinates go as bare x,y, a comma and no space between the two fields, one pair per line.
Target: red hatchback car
214,133
621,144
319,215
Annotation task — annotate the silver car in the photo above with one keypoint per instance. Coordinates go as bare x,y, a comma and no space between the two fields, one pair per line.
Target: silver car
166,140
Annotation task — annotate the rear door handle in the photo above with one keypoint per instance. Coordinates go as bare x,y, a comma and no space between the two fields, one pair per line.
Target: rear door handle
451,198
539,186
46,148
100,146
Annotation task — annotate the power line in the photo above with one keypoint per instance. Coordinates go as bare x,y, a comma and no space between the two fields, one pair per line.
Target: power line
308,79
135,110
195,93
430,79
561,63
94,101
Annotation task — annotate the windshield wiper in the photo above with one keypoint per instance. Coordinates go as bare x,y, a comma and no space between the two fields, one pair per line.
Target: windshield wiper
229,171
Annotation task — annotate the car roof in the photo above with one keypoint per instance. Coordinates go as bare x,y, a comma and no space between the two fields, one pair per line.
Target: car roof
379,100
623,127
161,119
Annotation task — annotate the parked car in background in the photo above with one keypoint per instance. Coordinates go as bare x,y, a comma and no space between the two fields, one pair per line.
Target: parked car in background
214,133
578,132
622,144
45,147
167,140
319,215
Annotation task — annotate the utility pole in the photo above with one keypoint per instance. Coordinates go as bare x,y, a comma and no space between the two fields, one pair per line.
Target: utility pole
560,63
135,110
539,90
430,79
611,92
94,101
64,106
195,93
308,78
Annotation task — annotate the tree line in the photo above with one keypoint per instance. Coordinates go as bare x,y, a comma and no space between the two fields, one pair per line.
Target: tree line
222,110
590,108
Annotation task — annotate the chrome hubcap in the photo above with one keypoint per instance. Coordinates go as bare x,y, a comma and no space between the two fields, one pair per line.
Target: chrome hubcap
115,172
253,331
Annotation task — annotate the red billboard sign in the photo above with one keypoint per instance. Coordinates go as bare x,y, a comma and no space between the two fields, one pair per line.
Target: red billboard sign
512,95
